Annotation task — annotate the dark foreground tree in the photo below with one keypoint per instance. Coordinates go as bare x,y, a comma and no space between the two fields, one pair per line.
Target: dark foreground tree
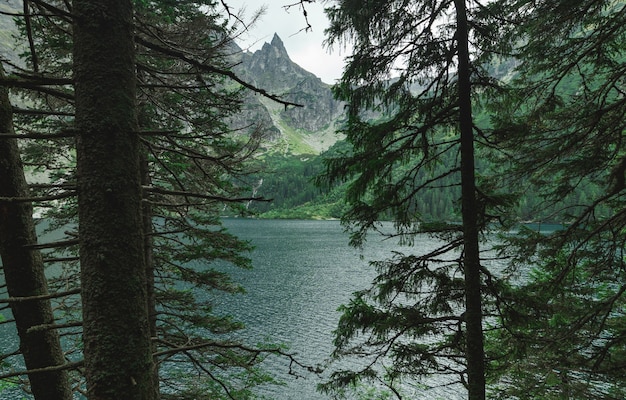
563,123
411,134
192,170
116,334
23,269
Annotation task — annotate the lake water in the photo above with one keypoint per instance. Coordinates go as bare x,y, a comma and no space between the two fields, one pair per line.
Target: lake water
303,271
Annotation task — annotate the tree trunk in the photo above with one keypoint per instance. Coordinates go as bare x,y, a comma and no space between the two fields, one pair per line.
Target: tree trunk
150,268
24,270
118,358
471,260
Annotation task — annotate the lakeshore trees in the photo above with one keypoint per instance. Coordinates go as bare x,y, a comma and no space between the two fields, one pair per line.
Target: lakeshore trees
424,313
23,268
165,155
558,134
557,128
562,124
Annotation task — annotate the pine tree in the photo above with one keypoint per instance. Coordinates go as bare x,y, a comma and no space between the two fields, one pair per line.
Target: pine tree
410,85
116,335
23,269
562,121
192,167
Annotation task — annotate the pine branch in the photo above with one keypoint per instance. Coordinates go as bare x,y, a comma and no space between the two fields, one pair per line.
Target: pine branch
26,111
61,259
67,186
35,135
157,132
224,345
59,196
39,85
52,245
46,327
156,190
66,366
210,69
55,10
40,297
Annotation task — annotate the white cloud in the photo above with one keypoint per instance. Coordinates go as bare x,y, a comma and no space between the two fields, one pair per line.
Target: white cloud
305,48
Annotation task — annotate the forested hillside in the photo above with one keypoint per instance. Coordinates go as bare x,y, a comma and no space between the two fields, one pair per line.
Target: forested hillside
289,181
300,138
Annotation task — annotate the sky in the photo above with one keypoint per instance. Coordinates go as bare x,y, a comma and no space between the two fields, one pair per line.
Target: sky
304,48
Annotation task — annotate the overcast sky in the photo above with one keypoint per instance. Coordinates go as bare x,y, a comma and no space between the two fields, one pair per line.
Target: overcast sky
304,48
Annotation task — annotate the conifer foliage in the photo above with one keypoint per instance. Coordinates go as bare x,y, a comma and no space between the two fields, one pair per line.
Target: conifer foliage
155,166
562,123
412,64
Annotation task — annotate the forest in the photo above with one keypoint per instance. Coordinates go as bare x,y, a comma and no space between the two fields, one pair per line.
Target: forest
116,131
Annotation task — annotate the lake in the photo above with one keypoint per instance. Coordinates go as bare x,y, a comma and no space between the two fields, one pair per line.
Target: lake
303,271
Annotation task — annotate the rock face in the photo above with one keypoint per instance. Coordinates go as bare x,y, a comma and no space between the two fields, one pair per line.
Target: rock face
272,68
307,129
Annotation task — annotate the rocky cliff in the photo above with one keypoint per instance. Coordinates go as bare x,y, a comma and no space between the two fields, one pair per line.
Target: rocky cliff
298,130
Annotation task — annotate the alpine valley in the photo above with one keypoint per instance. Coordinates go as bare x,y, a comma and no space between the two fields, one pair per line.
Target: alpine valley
296,137
299,138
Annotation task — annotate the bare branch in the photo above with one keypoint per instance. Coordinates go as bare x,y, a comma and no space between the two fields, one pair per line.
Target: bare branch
66,366
211,69
29,34
300,4
40,297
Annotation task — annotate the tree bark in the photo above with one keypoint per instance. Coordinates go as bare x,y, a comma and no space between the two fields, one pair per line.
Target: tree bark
471,259
118,359
150,269
24,270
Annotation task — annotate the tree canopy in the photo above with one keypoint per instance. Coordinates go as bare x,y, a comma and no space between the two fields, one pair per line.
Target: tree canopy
188,166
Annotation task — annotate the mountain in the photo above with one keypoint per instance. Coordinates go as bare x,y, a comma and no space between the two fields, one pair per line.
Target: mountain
296,130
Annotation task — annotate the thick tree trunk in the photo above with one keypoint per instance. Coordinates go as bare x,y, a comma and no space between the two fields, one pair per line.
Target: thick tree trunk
24,270
473,297
118,357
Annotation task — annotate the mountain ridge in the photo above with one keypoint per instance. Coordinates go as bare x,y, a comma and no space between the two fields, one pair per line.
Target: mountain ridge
310,129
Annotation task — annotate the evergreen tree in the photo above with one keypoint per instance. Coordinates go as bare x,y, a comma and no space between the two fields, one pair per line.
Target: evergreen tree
562,121
116,335
412,64
191,167
23,268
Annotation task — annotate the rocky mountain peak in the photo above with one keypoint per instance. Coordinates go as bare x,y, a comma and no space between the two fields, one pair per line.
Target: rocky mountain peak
273,50
313,125
278,46
272,68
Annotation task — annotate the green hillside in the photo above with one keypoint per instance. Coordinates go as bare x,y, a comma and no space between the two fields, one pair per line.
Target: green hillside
289,181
